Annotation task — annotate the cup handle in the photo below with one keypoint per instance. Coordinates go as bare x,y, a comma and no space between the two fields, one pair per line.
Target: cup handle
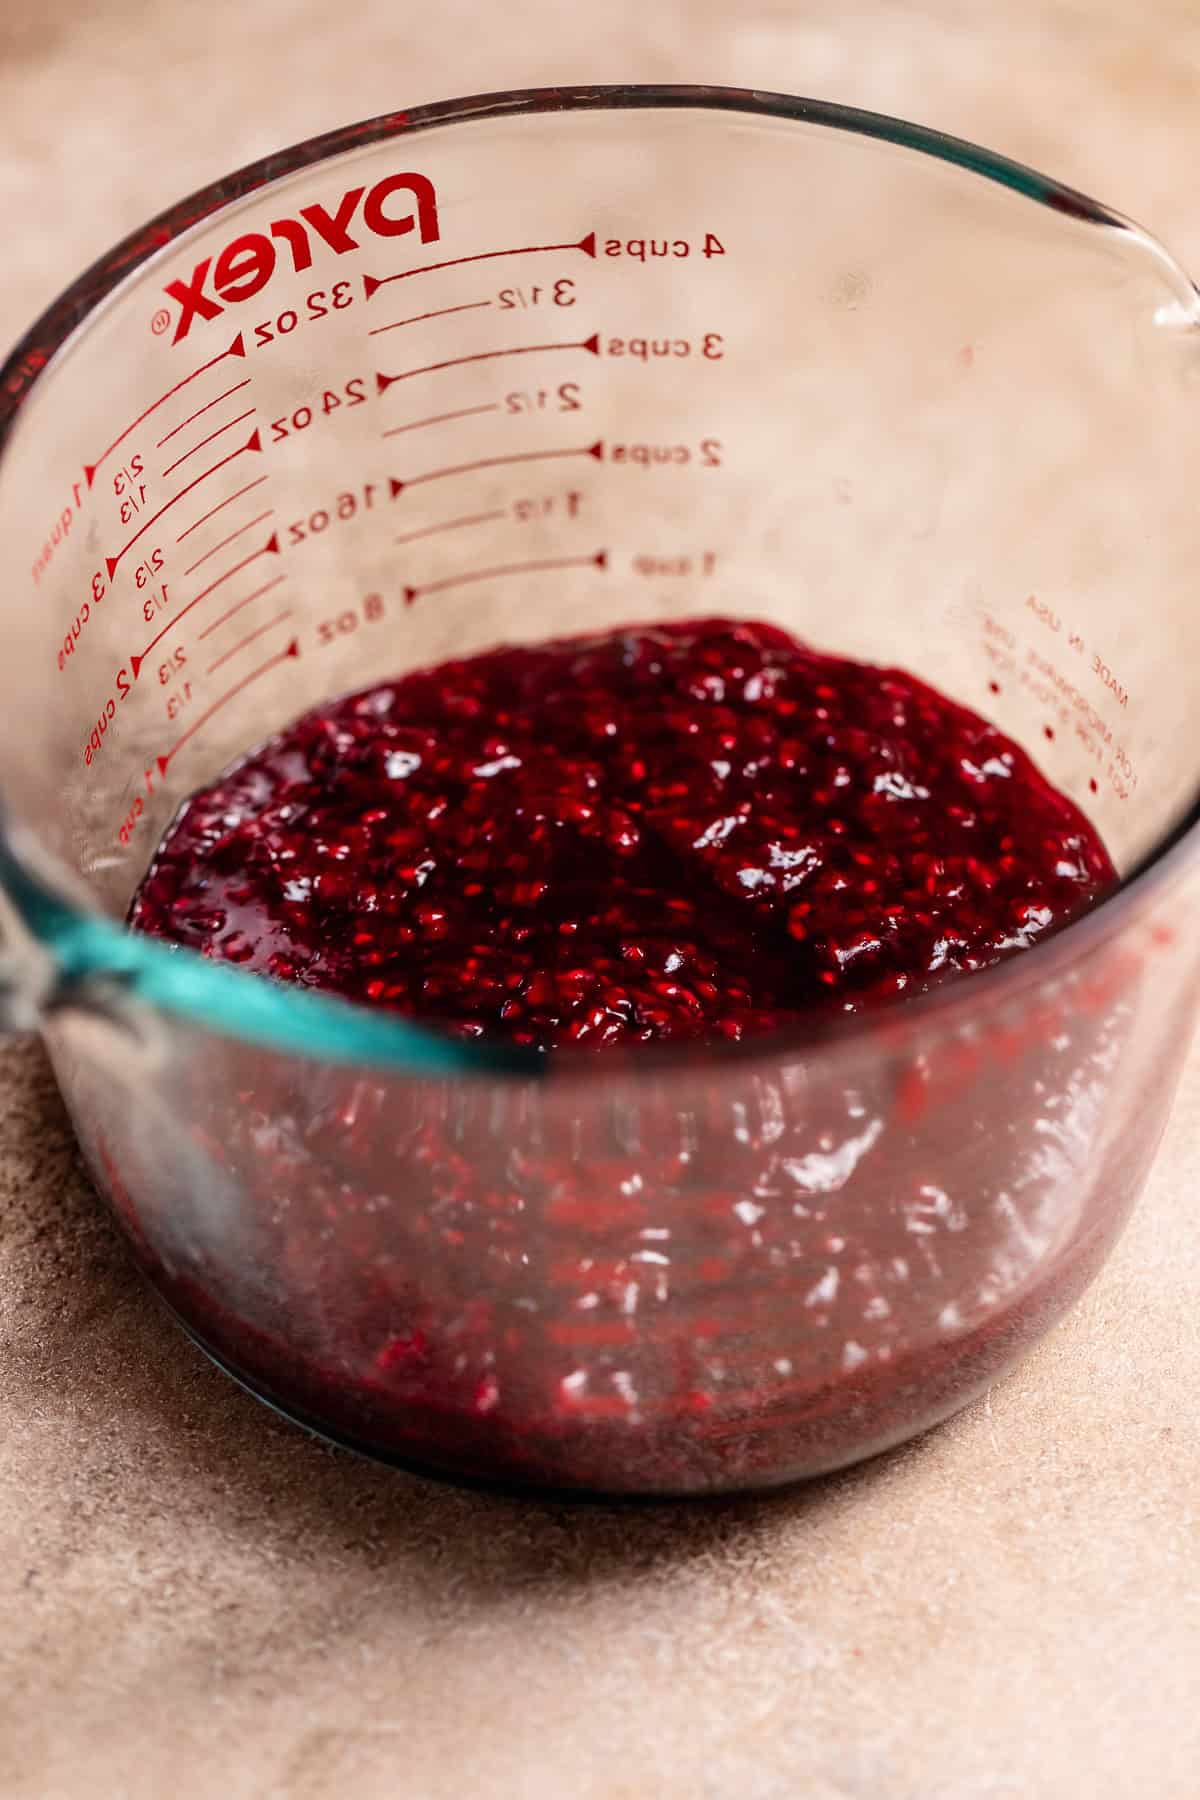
21,1003
29,968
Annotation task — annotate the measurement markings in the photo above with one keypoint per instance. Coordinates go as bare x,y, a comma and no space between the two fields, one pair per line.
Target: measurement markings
597,560
250,638
384,382
250,523
219,432
221,504
418,318
237,348
495,462
373,283
273,662
192,417
270,548
464,412
480,518
238,605
112,563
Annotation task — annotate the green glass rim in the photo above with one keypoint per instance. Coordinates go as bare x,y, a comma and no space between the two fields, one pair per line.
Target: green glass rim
86,947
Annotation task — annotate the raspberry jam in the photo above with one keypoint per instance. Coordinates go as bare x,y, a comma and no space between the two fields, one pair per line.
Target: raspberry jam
625,1275
696,831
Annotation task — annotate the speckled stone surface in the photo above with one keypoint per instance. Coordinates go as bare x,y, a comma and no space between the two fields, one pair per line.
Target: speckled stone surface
195,1599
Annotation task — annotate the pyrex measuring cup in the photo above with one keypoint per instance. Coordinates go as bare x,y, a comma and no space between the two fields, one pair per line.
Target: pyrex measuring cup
544,362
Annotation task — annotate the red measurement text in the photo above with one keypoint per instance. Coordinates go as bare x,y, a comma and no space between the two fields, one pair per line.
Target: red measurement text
131,818
674,567
345,623
711,345
351,393
58,533
122,688
133,503
547,506
148,568
642,249
154,603
553,293
708,453
127,478
98,590
565,397
314,306
169,668
179,701
344,507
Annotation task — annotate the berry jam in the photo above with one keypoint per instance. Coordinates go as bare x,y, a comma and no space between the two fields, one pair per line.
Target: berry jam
625,1275
697,831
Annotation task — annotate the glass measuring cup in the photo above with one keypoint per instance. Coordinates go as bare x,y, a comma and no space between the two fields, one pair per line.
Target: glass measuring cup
545,362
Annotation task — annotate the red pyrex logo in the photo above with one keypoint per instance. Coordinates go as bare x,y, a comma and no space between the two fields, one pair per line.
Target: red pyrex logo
245,266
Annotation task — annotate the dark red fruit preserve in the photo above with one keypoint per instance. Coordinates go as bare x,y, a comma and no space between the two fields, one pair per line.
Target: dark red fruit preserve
693,831
684,1278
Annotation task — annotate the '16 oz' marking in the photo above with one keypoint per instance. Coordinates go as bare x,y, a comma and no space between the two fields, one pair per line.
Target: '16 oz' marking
346,506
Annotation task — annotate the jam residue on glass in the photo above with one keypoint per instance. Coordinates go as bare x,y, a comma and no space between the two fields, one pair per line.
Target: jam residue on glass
713,1275
698,830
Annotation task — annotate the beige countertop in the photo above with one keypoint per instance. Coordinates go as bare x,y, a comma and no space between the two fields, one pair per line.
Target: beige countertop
196,1599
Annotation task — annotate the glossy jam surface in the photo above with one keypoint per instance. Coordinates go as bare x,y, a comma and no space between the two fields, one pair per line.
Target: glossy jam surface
721,1275
699,830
